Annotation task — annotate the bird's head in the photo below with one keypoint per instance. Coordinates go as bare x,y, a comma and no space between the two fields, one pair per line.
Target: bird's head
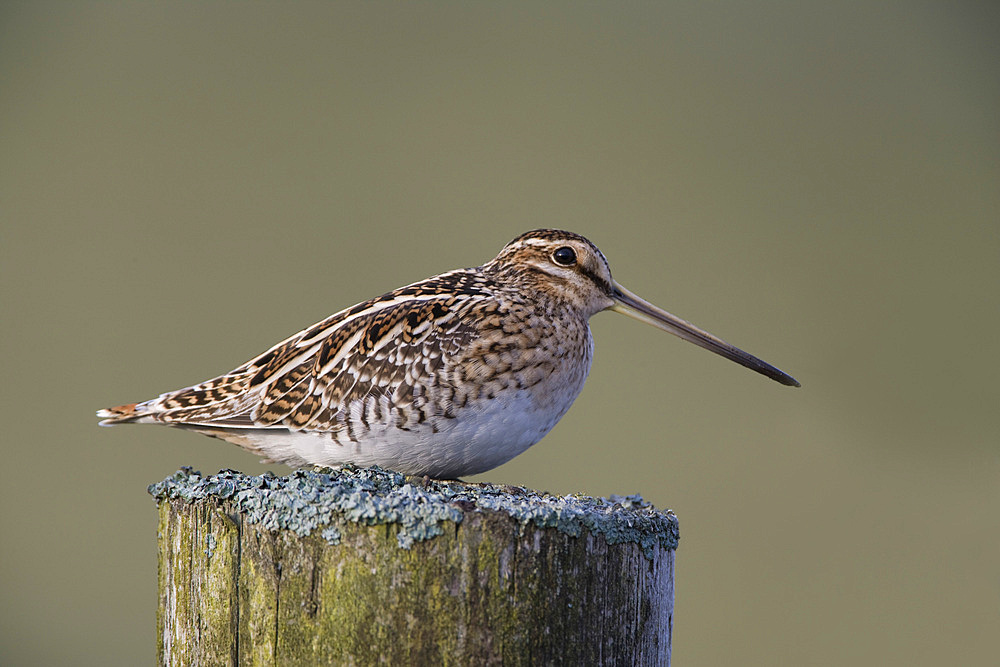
571,270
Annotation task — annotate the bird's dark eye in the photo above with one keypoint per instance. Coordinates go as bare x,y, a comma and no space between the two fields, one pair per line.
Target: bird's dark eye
564,256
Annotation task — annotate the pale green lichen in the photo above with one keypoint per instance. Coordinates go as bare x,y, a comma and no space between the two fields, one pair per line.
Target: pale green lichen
307,500
331,535
209,545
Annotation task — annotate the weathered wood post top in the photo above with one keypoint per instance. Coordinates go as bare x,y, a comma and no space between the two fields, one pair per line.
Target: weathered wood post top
365,566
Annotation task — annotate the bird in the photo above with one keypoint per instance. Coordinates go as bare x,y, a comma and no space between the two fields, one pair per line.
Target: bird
446,377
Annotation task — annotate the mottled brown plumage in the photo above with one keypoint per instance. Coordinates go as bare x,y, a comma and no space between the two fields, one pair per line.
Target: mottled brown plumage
449,376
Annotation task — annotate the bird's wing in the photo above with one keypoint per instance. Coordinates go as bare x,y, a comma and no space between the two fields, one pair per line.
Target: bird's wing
380,353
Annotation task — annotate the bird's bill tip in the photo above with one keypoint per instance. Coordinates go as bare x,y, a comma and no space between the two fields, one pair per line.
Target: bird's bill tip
627,303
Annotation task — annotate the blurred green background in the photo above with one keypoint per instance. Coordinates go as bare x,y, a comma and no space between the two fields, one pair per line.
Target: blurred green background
184,184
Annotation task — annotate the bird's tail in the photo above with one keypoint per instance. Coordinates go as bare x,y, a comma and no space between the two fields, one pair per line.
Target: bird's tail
119,414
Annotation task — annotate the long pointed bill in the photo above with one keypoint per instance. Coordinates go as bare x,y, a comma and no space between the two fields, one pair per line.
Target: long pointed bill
629,304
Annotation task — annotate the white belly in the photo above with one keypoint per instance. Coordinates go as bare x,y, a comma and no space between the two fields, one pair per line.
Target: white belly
479,438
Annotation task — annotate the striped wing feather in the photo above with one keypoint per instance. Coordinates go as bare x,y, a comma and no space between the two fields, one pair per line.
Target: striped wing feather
380,355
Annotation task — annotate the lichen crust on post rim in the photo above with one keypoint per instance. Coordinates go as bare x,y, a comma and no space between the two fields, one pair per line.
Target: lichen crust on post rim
323,498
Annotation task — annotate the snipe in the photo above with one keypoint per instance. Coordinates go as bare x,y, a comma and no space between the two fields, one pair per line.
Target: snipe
449,376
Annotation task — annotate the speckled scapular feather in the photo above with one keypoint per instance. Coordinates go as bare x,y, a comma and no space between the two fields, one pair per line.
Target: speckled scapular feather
449,376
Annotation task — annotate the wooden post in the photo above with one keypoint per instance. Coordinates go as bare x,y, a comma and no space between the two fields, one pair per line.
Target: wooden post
363,566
